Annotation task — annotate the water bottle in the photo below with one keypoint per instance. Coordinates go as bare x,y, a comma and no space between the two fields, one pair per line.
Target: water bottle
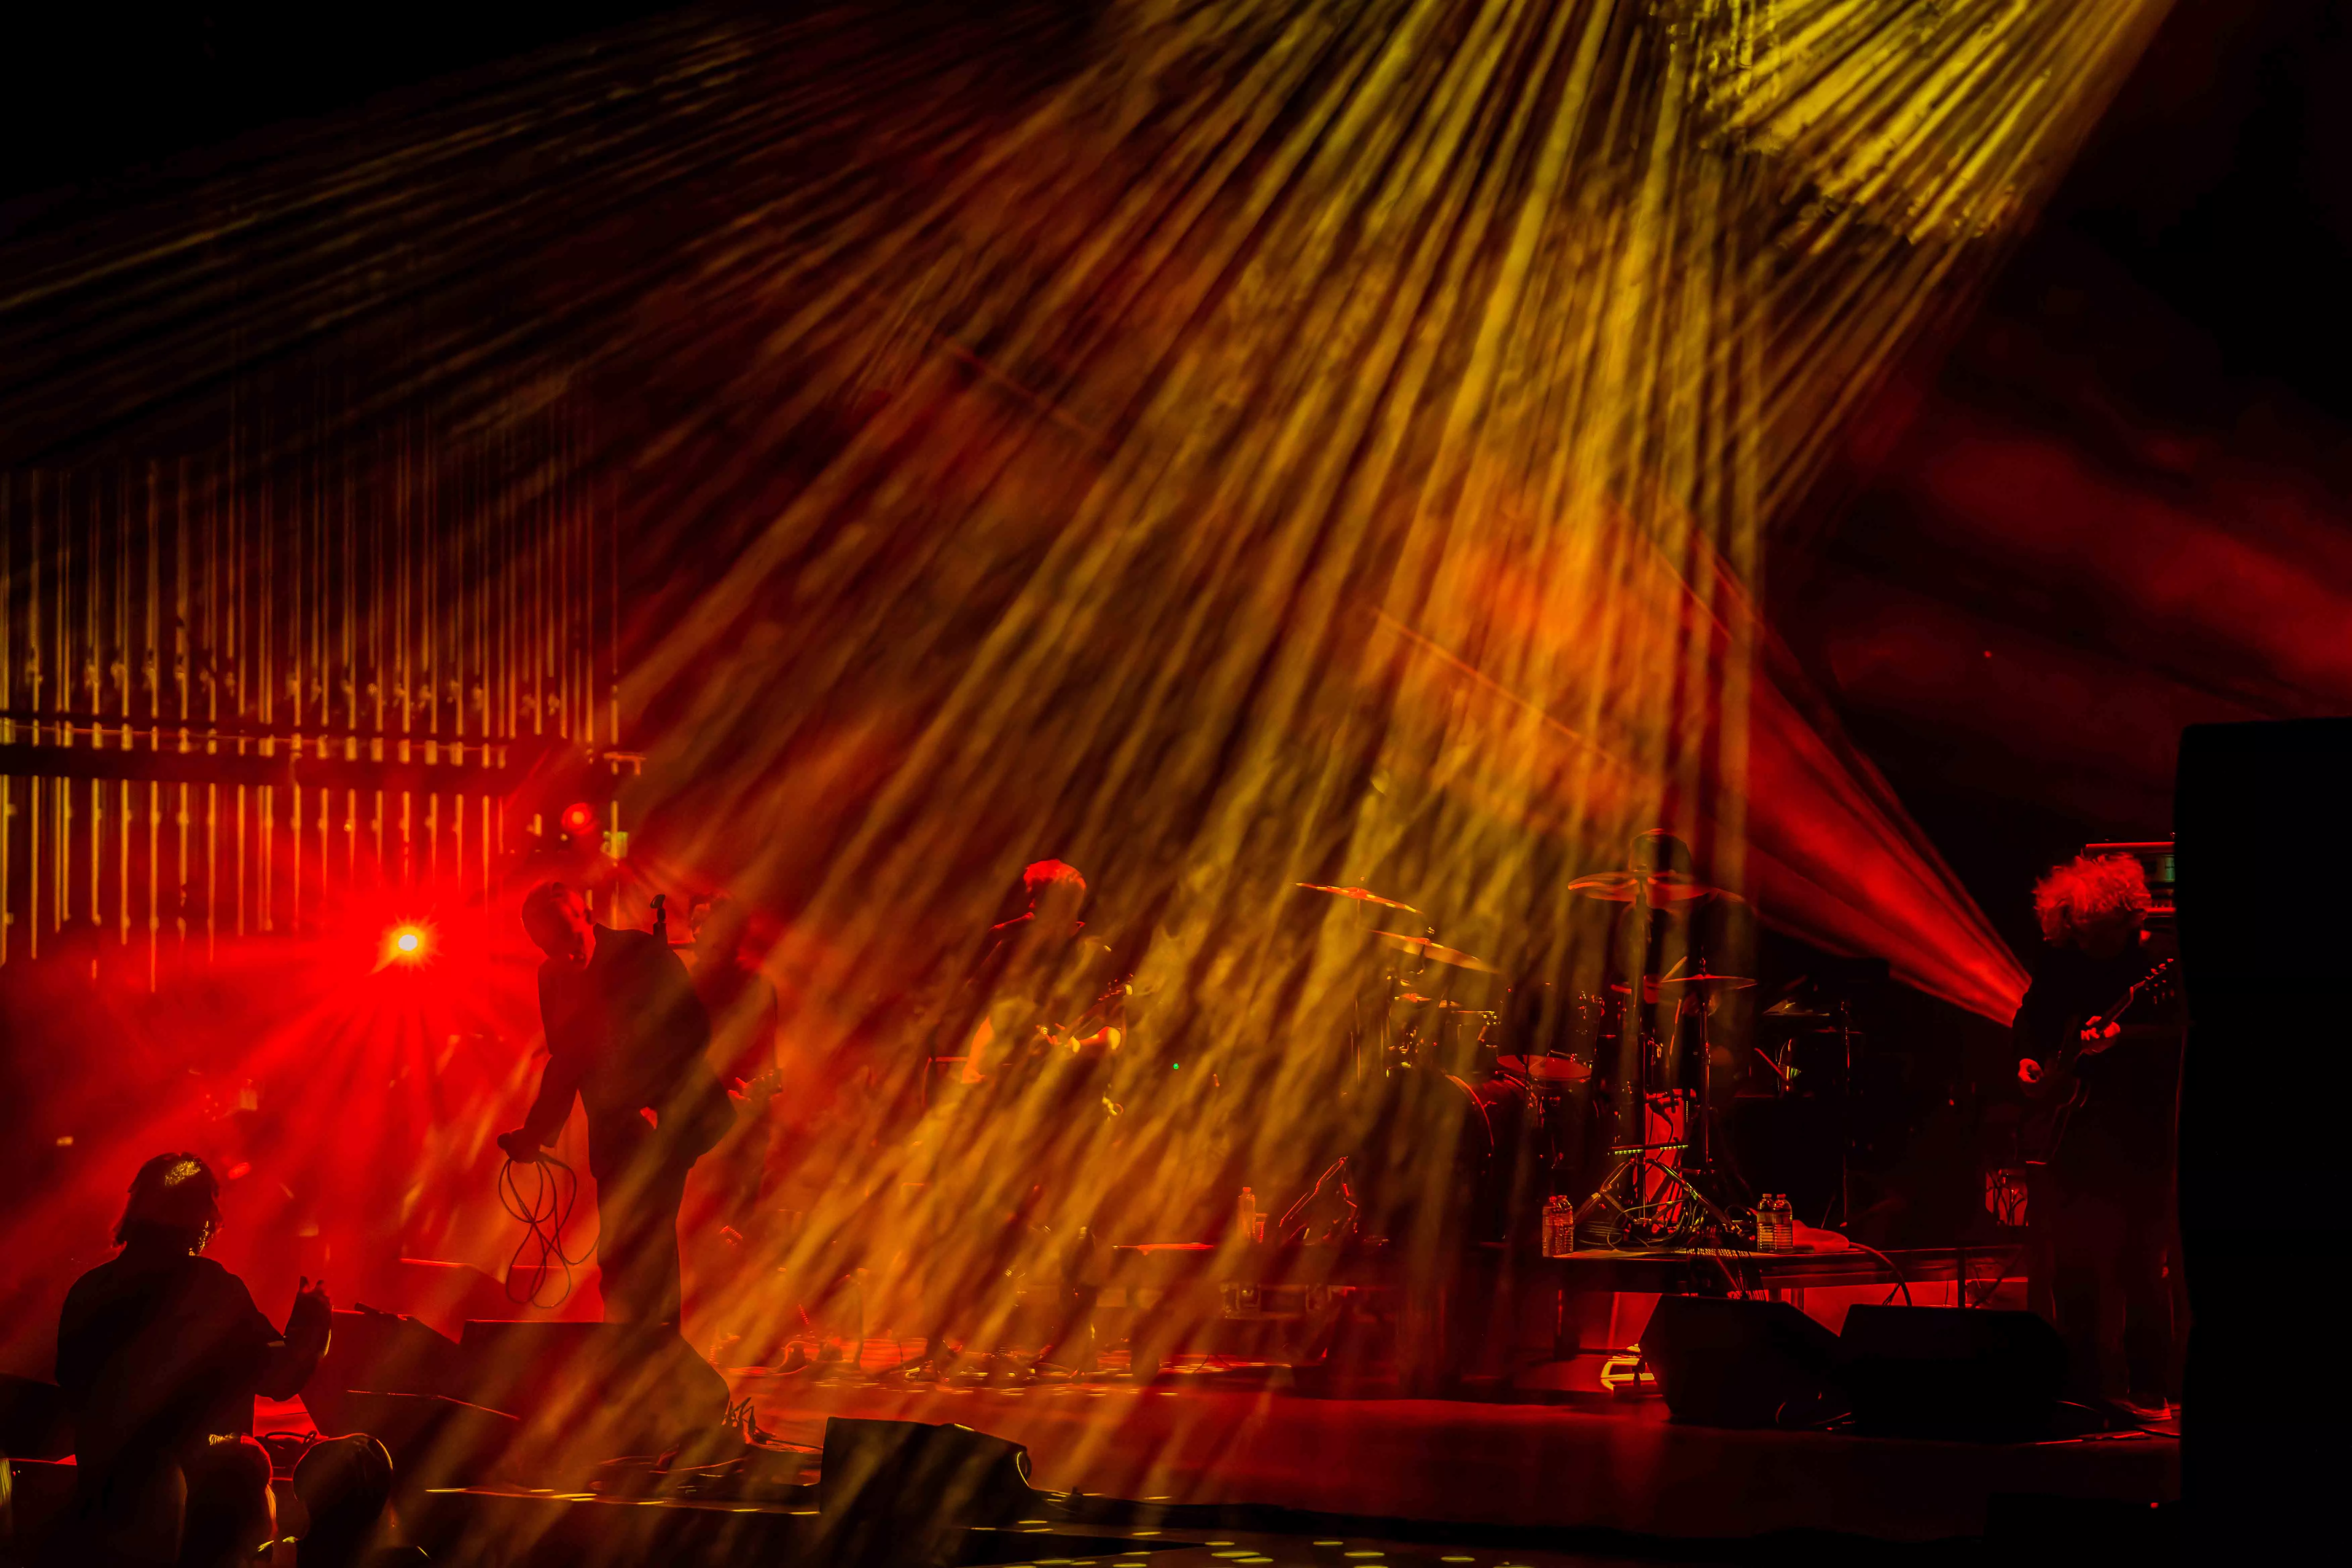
1558,1227
1776,1224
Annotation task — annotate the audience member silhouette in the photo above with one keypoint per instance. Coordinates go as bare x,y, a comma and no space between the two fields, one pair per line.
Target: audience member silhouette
161,1351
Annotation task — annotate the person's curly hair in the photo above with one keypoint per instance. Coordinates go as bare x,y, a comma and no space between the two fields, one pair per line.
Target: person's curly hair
1039,874
176,1193
2086,893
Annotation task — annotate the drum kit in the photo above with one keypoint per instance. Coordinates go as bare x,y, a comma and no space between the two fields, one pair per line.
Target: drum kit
1550,1057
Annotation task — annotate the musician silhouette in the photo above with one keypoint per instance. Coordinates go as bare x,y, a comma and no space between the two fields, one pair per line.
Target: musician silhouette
1041,971
627,1036
1038,1014
2099,1212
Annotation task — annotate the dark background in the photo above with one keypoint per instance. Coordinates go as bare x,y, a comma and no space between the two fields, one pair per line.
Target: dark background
95,98
2173,338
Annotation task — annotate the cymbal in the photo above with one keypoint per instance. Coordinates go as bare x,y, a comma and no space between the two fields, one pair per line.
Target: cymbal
1654,986
1791,1007
1422,947
1361,896
1547,1070
1415,999
1699,980
1664,887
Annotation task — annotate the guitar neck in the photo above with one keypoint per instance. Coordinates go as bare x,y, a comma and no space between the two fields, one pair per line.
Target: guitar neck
2135,1034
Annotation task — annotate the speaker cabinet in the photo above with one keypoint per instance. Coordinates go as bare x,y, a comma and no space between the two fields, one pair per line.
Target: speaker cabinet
378,1352
1721,1363
906,1490
1952,1372
434,1440
34,1423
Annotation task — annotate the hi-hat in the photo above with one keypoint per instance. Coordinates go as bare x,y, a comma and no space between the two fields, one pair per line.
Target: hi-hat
1361,896
1662,887
1415,999
1422,947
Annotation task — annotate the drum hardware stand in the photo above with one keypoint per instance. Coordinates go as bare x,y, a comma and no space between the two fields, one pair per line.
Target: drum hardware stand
1637,1158
1392,1052
1845,1114
1640,1156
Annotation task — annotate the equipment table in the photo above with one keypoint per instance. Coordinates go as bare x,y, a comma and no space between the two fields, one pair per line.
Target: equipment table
1675,1270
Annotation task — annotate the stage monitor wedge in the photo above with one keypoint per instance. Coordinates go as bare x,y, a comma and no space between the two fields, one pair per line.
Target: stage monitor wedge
1952,1372
378,1352
905,1491
1724,1363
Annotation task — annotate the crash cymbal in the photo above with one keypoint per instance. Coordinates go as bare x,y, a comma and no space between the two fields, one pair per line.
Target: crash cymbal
1701,982
1547,1070
1664,887
1793,1008
1361,896
1422,947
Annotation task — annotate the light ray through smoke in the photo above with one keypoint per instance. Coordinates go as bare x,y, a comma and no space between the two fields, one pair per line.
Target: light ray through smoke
1224,444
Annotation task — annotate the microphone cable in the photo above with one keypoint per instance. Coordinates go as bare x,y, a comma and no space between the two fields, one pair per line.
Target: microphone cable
544,1209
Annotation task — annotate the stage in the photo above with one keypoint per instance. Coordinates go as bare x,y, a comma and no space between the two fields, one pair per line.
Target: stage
1535,1452
1580,1464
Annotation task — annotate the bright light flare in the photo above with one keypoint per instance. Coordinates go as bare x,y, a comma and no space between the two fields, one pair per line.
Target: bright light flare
407,945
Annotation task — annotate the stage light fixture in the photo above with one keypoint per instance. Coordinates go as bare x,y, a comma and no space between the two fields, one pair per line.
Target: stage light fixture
407,943
579,819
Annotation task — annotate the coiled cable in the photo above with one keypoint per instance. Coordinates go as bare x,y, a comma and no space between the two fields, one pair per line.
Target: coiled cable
544,1209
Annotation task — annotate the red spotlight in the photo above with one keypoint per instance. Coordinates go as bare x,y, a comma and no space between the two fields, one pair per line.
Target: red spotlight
579,819
406,944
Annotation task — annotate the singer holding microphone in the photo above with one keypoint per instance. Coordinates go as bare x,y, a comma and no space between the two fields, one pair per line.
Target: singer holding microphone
627,1036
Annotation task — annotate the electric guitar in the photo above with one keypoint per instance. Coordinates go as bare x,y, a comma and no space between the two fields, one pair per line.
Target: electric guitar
1091,1034
2060,1091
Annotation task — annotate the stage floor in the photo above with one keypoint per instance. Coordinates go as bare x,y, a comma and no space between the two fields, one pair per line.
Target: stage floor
1587,1463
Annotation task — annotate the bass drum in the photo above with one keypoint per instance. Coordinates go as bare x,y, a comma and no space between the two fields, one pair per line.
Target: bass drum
1548,1134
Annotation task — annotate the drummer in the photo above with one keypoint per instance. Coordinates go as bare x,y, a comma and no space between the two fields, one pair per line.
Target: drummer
1692,931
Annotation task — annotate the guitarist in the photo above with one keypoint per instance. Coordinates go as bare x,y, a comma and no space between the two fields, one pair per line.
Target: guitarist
1043,982
1038,1015
2100,1208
